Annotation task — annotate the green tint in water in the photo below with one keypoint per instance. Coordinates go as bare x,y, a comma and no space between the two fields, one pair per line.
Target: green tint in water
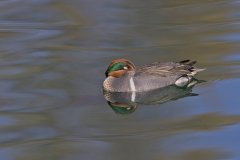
53,58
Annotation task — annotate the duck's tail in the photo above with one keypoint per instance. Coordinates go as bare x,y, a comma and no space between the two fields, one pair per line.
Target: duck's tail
196,70
189,64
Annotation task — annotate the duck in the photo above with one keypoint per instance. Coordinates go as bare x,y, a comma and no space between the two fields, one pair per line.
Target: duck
123,76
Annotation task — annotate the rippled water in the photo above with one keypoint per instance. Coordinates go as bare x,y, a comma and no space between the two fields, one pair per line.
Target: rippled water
53,57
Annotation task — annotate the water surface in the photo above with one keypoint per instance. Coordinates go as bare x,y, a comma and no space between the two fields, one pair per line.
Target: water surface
53,57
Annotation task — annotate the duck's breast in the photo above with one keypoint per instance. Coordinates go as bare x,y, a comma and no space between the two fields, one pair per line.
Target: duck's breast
121,84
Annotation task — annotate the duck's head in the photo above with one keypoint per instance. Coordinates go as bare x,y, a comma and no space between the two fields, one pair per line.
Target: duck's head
119,67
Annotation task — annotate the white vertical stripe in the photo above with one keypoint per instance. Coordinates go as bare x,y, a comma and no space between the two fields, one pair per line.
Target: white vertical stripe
132,85
133,89
133,96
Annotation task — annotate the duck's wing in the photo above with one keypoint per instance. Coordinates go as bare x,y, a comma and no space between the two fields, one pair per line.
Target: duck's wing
170,68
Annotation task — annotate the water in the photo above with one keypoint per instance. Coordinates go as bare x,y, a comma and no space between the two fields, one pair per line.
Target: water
53,57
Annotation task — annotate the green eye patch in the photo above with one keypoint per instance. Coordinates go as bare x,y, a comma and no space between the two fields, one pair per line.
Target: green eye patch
115,67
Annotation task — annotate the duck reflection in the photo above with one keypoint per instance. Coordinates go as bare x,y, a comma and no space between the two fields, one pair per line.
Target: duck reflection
127,102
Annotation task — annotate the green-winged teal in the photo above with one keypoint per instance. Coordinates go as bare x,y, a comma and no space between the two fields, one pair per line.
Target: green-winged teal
123,76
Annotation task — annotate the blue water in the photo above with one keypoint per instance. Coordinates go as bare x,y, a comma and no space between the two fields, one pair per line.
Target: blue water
53,57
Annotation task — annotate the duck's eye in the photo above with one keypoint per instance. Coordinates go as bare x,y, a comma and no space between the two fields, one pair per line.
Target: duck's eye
125,67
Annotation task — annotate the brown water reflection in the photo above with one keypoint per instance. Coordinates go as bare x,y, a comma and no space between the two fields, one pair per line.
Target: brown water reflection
53,57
